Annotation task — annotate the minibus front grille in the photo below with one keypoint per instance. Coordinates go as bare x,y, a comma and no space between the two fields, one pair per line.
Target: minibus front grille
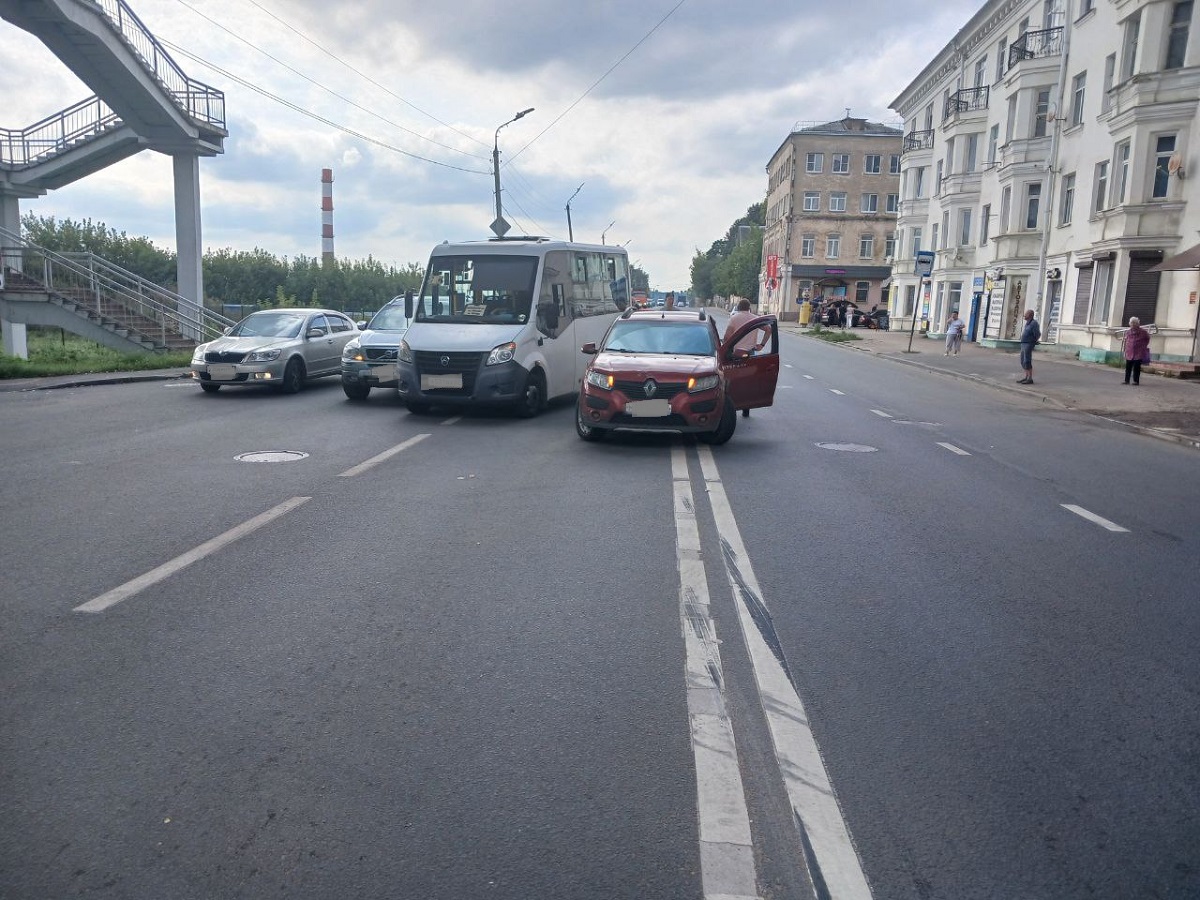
439,362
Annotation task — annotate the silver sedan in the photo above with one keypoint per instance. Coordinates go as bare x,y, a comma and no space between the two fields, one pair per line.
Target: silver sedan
277,348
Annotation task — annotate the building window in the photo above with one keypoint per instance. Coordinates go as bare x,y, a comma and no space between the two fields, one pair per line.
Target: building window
937,184
1164,149
872,164
1121,172
1067,202
947,237
1100,200
916,242
1129,45
919,183
837,201
972,161
1177,35
929,117
1085,7
870,203
1033,202
894,164
839,164
1010,124
1078,83
1005,209
993,144
964,228
814,163
833,246
985,216
866,246
1110,72
934,234
1001,55
980,70
955,296
950,157
812,201
1101,292
860,291
889,246
808,246
1041,112
893,204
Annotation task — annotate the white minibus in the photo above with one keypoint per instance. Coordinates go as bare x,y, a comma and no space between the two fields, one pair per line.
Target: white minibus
500,322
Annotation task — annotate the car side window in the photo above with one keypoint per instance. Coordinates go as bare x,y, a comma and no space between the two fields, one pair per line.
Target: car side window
319,322
339,324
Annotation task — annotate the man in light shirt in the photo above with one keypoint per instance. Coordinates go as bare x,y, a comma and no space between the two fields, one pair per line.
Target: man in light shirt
752,342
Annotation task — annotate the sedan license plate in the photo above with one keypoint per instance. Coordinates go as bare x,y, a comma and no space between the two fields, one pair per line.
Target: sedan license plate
649,409
222,372
433,382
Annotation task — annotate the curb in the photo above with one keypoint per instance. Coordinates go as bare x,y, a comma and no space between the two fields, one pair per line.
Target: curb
70,381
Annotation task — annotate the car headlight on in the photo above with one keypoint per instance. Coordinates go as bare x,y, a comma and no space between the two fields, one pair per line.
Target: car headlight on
600,380
404,354
502,354
703,383
258,356
353,352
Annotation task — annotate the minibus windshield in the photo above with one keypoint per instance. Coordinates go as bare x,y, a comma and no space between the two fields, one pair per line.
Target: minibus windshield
485,289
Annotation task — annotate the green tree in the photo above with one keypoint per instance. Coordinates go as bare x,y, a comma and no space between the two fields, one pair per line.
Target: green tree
738,272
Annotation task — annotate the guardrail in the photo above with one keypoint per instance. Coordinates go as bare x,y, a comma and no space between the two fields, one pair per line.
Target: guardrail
25,146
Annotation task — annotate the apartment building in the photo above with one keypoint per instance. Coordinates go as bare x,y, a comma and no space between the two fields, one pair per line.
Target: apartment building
1044,160
833,192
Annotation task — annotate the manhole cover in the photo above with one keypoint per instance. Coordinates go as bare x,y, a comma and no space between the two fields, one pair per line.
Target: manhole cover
849,448
271,456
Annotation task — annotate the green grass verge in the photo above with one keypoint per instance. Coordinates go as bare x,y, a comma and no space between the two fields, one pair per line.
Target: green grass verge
53,352
833,337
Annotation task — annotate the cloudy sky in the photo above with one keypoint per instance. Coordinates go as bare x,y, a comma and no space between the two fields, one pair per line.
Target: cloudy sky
666,111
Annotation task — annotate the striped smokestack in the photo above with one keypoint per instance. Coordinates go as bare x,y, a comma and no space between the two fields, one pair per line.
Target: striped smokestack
327,215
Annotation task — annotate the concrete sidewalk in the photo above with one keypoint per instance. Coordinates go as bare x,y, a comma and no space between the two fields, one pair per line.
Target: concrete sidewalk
1167,408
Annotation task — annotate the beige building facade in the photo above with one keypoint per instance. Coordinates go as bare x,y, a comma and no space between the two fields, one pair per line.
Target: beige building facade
833,193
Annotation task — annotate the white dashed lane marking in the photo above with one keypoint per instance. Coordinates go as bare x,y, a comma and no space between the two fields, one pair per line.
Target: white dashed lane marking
880,412
836,391
1092,517
386,454
953,449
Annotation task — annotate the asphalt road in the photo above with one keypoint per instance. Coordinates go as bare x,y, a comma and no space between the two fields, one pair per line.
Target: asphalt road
462,669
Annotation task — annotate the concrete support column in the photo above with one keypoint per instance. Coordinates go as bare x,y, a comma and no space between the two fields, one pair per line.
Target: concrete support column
188,247
15,342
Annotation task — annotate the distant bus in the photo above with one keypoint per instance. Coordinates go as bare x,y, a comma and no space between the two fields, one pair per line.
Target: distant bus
500,322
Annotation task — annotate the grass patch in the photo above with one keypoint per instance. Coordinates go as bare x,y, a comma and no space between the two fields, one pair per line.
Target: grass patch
55,352
833,337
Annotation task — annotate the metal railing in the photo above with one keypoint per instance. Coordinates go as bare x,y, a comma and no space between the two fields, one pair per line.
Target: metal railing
198,99
52,135
97,285
966,100
917,140
1036,44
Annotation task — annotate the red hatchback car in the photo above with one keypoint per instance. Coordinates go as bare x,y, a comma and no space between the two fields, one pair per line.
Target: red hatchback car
669,370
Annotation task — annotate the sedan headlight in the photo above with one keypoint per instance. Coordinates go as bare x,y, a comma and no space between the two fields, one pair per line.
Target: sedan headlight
703,383
404,354
198,354
353,351
502,354
258,356
600,380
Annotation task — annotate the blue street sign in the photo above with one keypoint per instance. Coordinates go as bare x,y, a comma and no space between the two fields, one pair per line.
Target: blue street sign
924,265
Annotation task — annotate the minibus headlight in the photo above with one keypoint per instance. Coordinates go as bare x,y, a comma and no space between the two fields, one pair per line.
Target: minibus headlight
404,354
703,383
600,380
502,354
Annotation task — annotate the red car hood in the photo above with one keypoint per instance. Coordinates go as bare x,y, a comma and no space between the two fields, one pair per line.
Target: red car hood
664,367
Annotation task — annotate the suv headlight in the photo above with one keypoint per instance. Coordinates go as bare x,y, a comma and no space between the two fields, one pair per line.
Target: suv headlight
262,356
502,354
352,351
600,380
703,383
404,354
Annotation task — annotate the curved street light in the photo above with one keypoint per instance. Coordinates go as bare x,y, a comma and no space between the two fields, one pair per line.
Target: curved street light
570,232
605,231
500,226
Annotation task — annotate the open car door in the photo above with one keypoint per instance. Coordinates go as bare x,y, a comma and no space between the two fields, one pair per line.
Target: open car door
751,374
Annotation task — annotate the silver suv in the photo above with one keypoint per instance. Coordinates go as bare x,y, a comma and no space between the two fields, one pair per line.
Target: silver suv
369,360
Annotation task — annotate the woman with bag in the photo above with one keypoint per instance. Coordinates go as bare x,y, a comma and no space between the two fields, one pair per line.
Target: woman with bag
1137,349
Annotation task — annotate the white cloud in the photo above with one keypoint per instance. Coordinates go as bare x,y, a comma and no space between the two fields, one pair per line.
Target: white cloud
671,146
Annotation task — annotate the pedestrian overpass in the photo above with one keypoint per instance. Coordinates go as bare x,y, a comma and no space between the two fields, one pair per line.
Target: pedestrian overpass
142,101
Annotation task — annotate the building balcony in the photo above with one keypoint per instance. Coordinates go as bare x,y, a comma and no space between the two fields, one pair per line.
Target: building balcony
917,140
966,101
1047,42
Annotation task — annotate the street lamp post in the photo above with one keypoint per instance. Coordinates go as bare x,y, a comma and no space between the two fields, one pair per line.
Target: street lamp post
605,231
500,226
570,233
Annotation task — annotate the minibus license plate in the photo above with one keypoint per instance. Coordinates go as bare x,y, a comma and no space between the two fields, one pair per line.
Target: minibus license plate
432,382
651,409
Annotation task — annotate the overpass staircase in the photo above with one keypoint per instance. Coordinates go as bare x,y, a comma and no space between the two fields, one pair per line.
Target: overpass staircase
98,300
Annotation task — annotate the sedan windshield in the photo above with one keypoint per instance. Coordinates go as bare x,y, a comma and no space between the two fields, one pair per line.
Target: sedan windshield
485,289
269,324
678,338
390,318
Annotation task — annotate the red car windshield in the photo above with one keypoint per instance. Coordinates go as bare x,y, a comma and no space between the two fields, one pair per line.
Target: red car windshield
660,336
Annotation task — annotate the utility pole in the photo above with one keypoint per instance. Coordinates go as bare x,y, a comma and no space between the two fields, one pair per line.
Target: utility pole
570,232
499,226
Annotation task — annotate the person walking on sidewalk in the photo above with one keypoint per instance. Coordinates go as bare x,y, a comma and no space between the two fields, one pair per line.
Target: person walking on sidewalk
954,333
1030,335
1137,349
